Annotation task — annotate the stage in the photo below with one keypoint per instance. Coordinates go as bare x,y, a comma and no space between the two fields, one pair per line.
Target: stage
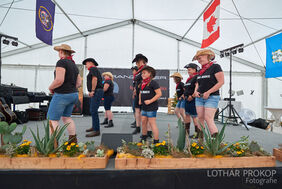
185,178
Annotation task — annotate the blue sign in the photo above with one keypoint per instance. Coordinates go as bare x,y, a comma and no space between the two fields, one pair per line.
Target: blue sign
274,56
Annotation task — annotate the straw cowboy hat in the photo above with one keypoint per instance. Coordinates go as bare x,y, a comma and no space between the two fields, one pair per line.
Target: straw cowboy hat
176,74
108,74
204,52
64,47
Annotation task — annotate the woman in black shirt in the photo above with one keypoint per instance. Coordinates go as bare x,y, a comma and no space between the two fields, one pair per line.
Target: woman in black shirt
108,98
190,107
209,80
64,87
150,92
180,106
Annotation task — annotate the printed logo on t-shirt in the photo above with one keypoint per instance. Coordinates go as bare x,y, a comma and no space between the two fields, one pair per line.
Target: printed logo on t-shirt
203,76
187,84
145,92
178,90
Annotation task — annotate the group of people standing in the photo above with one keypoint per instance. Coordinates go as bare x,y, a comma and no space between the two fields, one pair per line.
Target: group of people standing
197,99
65,86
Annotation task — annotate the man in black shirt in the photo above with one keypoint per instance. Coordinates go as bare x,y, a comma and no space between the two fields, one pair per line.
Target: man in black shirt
134,69
95,89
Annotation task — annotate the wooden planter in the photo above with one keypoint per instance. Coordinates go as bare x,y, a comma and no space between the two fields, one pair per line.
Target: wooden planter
277,153
194,163
53,163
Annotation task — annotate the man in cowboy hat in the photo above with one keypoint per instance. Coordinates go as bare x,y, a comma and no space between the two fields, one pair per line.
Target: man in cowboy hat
95,89
64,87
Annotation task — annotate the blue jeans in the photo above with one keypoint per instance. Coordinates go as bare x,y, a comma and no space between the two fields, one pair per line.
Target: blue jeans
61,105
149,114
94,106
211,102
180,104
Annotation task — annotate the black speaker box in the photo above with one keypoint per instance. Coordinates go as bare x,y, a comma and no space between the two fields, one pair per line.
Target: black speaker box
113,140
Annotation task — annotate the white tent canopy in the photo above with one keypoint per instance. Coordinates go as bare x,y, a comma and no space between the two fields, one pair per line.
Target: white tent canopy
113,31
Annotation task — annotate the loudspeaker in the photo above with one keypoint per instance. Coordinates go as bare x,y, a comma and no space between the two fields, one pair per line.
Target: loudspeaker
86,105
113,140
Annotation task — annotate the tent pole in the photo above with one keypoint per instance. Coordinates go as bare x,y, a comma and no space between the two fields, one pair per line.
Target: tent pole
178,55
258,40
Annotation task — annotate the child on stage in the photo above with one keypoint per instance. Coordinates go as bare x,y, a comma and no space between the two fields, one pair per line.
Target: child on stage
108,98
190,107
148,99
180,106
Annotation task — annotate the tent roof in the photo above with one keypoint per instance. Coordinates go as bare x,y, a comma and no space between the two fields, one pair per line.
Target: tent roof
260,17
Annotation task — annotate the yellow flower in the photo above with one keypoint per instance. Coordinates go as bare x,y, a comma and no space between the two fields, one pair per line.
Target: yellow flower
163,143
238,147
197,147
76,145
202,147
239,152
225,144
24,140
139,144
228,149
194,144
242,151
158,144
72,144
66,143
68,148
237,143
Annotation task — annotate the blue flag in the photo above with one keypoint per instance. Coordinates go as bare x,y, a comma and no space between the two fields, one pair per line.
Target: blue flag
45,10
274,56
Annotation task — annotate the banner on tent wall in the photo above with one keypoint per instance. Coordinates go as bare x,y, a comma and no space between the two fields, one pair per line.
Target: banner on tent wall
123,85
78,107
45,10
211,24
274,56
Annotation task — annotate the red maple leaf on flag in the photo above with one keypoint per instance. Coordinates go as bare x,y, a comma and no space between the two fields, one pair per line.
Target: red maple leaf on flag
211,23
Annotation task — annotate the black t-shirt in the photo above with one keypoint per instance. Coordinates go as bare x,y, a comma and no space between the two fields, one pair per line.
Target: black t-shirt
180,89
207,80
148,93
69,85
137,82
189,87
110,90
94,72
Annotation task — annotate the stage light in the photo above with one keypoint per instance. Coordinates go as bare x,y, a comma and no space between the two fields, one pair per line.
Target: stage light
15,43
240,50
227,53
6,42
221,54
234,51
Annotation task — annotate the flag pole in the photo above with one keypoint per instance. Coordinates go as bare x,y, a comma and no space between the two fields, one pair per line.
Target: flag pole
196,20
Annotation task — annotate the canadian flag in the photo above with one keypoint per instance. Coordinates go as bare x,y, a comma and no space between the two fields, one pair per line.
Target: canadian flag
211,24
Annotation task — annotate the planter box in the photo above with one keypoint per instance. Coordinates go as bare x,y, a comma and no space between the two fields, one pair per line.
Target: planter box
194,163
53,163
277,153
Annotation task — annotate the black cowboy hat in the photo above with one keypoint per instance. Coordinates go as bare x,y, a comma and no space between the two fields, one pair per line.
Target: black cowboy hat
90,60
134,68
150,70
140,57
192,65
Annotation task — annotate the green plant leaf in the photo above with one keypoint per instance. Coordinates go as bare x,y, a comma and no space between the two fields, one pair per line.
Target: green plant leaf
6,138
12,127
37,141
4,127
